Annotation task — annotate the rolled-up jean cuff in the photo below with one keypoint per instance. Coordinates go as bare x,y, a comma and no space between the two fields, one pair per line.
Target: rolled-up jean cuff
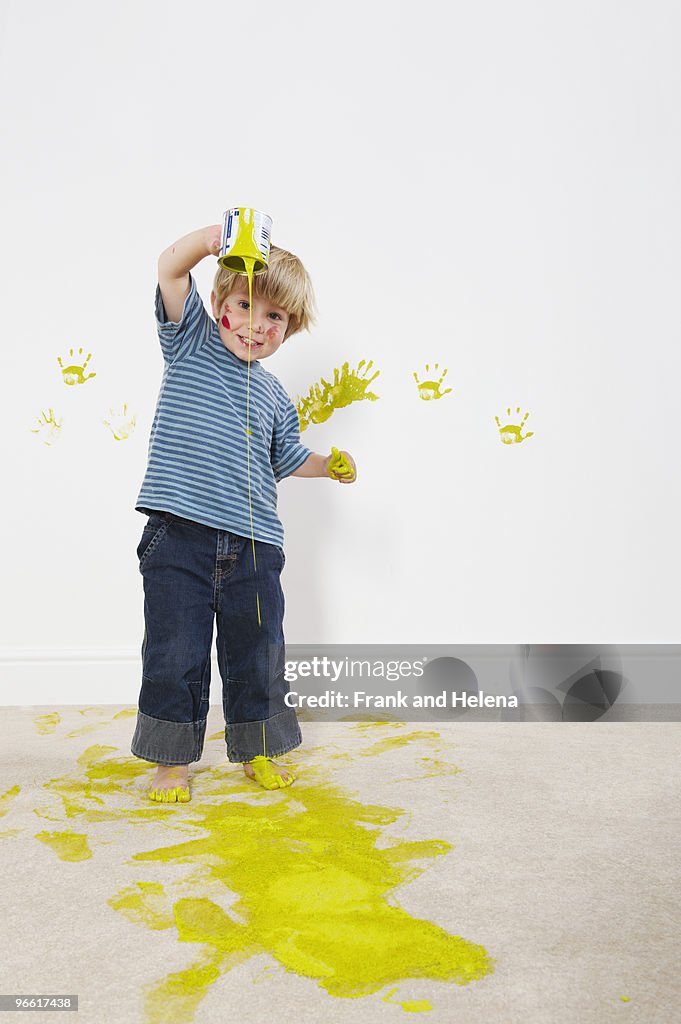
270,738
168,743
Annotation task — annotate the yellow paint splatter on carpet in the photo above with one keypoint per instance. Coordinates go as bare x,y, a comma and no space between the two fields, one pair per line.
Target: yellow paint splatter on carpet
69,846
145,903
7,799
411,1006
327,909
45,724
126,713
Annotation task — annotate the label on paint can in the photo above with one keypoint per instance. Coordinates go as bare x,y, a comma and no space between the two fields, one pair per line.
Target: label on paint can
245,235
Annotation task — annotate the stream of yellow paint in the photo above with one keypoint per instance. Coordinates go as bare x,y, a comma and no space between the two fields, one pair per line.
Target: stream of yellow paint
249,263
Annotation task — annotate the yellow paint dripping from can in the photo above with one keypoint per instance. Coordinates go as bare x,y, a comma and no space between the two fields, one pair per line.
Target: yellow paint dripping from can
249,263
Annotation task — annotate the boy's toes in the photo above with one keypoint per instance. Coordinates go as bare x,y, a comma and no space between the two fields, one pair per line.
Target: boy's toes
268,774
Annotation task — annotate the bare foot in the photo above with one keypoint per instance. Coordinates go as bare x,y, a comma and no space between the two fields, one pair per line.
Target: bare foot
171,784
270,775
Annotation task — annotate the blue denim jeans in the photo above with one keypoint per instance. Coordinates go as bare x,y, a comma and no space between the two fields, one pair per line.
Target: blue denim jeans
194,576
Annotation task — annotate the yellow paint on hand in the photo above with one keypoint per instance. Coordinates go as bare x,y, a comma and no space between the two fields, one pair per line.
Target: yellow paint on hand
511,433
323,398
430,389
69,846
412,1006
7,799
339,467
46,724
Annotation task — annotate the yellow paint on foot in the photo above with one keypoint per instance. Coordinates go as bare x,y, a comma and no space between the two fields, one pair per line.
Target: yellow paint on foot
46,724
268,775
411,1006
324,397
145,903
69,846
176,795
7,799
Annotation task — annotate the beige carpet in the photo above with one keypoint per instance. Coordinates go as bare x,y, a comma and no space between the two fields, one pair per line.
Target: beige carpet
470,874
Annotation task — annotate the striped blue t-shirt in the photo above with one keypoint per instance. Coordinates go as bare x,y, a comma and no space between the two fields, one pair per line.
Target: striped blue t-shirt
198,459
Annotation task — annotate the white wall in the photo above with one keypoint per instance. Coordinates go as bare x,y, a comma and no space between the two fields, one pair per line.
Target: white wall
489,186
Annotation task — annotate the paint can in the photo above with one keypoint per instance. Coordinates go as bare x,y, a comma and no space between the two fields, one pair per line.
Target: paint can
245,240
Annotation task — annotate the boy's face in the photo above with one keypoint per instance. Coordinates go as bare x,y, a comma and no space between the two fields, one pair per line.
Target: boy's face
268,327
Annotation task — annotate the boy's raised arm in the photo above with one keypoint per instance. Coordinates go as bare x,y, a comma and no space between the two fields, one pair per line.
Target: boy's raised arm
177,260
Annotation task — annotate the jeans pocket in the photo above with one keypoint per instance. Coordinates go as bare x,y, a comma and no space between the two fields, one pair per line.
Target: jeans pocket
152,535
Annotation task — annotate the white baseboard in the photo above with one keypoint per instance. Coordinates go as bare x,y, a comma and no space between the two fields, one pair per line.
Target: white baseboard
88,675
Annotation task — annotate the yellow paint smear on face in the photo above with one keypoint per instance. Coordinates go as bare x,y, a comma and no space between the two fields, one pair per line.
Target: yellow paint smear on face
68,846
7,799
45,724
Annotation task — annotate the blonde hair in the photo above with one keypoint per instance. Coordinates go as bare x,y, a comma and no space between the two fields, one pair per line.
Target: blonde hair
286,283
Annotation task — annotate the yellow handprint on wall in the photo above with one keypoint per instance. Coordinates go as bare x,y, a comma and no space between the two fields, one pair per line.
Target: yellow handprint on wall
511,433
348,386
429,389
75,373
48,427
121,423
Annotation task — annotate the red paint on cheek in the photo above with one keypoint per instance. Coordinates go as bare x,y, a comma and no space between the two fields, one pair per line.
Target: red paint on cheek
225,323
272,333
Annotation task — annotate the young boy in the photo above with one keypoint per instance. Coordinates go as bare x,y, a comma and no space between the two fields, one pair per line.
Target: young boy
223,434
